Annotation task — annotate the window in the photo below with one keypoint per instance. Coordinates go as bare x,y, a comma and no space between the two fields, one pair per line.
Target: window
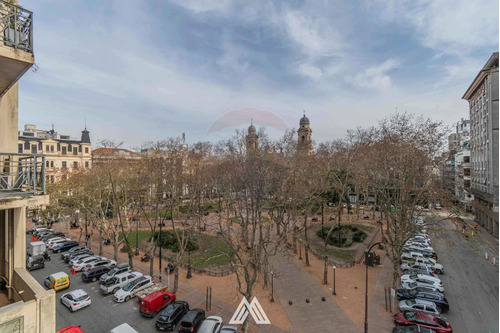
64,165
47,148
26,145
34,149
20,148
75,165
75,151
86,150
79,149
87,164
64,150
52,148
40,146
51,164
47,164
58,147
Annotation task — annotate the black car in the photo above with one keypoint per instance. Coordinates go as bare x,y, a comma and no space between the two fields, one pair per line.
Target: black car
192,320
171,315
403,294
95,273
64,246
412,329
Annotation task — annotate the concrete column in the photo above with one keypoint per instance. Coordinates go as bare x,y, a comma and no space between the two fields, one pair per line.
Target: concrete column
20,237
3,243
9,120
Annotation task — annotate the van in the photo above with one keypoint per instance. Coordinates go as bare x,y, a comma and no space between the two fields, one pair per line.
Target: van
57,281
113,284
155,302
35,262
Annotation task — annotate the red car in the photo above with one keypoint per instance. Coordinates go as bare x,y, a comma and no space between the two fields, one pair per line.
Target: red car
155,302
70,329
411,318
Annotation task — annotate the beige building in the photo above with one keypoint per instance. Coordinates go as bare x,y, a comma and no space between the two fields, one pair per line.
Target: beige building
103,155
25,306
63,153
304,142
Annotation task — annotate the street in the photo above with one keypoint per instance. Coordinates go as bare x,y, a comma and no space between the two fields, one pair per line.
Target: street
470,281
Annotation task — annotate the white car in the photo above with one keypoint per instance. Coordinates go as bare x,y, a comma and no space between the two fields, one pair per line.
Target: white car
123,328
421,306
55,239
75,299
78,266
415,277
211,324
57,242
415,265
99,263
421,282
78,257
130,290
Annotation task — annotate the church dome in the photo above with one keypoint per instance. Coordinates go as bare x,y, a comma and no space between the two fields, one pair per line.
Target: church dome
251,129
304,120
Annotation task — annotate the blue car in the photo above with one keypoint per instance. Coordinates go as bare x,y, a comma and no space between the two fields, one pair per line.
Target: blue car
64,246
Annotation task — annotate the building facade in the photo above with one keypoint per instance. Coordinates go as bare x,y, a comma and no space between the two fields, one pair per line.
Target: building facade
482,96
462,165
252,139
304,141
25,306
63,153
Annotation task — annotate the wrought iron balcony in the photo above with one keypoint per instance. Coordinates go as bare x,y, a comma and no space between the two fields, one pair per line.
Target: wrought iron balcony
16,26
16,44
22,174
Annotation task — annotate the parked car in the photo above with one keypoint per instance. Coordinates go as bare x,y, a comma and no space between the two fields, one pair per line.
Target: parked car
415,265
70,329
412,293
422,282
412,329
229,329
123,328
171,315
212,324
436,267
419,305
35,262
99,263
427,271
78,266
76,257
50,236
411,318
76,299
192,320
94,274
116,282
70,255
129,291
57,281
414,285
420,277
155,302
121,268
55,239
65,246
438,206
72,251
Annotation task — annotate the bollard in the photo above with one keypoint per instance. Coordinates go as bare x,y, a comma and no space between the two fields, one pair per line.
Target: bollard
494,261
486,255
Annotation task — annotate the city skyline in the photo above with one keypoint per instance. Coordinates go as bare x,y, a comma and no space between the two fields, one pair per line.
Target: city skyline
148,71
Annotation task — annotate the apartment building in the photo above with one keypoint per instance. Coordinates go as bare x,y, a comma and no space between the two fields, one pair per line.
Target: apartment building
25,306
482,96
63,153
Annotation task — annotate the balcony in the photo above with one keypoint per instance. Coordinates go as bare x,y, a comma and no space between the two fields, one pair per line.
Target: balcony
16,44
21,175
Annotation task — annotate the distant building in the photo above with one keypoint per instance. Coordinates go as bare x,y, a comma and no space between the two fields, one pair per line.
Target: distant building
482,96
252,139
304,143
103,155
462,165
63,153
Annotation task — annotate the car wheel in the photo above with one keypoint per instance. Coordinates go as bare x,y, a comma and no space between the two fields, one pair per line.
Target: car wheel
115,290
439,271
61,301
127,298
71,309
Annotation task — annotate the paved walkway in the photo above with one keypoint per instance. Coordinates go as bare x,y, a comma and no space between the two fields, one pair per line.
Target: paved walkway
292,282
379,319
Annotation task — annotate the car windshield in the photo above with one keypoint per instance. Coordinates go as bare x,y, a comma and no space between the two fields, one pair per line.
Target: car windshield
112,272
409,315
410,302
412,292
110,282
441,322
168,310
129,286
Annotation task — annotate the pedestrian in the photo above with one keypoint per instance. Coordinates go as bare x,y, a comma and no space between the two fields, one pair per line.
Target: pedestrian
46,256
475,226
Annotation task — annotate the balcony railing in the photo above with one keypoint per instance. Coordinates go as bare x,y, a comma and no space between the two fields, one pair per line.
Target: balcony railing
22,173
16,26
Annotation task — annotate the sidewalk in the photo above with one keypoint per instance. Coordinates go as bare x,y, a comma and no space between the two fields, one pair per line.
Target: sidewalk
379,319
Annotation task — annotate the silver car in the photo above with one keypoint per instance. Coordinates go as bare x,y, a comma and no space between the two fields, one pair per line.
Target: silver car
421,306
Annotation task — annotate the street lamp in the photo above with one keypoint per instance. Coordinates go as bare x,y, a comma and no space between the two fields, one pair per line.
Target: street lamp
368,255
334,268
272,287
300,249
137,237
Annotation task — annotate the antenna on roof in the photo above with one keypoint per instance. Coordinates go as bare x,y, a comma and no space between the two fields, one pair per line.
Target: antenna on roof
85,123
304,112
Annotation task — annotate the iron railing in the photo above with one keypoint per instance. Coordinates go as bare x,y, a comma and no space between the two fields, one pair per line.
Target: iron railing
23,173
16,26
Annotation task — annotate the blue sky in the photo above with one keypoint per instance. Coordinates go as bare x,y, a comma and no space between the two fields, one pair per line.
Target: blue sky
146,70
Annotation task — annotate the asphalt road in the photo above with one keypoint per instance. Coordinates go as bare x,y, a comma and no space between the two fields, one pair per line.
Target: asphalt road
470,282
103,314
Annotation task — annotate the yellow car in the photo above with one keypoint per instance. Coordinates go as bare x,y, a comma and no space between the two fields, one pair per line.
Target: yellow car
57,281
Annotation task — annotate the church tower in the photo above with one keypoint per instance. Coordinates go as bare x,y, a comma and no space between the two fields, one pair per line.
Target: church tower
304,140
252,138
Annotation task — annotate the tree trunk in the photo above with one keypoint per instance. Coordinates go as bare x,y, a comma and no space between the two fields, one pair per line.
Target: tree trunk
100,239
176,278
306,245
325,273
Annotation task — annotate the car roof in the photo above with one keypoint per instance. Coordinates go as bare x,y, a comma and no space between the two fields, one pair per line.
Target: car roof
78,293
58,275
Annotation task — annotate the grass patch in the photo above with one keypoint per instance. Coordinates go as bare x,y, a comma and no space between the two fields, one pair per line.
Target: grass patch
347,255
143,234
212,252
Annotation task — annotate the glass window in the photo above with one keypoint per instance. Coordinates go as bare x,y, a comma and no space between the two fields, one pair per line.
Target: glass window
75,150
64,150
26,145
64,165
86,150
20,148
34,149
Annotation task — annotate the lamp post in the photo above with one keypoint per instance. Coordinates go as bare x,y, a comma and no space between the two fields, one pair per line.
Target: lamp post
86,233
272,287
300,249
334,268
367,256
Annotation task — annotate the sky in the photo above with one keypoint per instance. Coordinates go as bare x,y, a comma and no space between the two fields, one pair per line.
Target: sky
138,71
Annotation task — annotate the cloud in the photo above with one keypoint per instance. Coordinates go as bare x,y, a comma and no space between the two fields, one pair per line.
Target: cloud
201,6
376,76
